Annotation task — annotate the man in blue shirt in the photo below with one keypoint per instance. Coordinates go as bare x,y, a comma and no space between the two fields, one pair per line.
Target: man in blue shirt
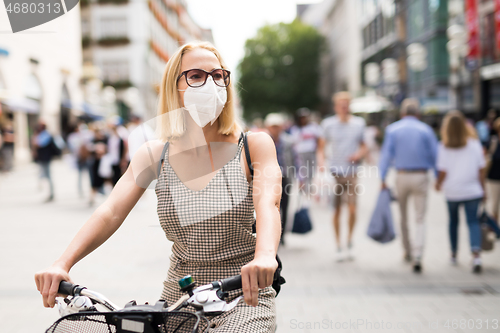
411,147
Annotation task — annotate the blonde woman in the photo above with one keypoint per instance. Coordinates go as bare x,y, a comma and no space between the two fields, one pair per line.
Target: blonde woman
461,163
193,182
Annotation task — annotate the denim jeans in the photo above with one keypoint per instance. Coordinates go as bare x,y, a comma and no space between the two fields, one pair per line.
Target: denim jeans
45,173
471,207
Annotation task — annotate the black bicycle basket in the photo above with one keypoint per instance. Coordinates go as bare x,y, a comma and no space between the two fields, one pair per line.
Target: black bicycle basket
127,322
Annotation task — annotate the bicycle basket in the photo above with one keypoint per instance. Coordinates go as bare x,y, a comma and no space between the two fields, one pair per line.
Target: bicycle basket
129,322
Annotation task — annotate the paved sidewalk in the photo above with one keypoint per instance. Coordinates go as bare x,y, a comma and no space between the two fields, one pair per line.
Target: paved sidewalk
378,291
371,293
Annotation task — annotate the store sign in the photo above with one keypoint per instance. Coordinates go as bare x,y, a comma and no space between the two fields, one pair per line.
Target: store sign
490,72
497,23
472,20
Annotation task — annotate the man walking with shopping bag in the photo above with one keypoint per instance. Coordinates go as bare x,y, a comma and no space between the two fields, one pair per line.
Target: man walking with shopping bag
411,147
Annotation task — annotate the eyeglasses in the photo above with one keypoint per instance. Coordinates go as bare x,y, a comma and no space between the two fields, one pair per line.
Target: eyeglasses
198,77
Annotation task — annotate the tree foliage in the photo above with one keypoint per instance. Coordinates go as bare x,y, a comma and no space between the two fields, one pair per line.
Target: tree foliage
280,70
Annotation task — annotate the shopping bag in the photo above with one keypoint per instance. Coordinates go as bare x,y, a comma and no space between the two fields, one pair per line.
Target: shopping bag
487,238
486,219
381,227
301,220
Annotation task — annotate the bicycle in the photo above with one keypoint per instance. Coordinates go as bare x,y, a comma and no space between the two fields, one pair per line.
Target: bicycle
80,313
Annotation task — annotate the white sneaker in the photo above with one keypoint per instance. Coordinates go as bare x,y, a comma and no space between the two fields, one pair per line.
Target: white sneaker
339,256
349,255
453,261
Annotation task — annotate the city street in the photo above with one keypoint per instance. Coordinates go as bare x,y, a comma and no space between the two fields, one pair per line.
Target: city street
377,291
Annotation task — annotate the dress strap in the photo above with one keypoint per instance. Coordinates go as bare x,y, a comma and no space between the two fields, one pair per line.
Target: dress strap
160,164
247,153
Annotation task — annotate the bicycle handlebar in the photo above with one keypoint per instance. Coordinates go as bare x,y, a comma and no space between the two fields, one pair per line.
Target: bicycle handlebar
67,288
231,283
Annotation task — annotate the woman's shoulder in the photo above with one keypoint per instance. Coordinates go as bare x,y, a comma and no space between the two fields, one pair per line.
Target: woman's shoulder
259,139
473,142
152,148
261,145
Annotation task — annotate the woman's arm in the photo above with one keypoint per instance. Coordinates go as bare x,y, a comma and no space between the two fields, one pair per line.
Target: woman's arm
106,219
482,177
259,272
440,178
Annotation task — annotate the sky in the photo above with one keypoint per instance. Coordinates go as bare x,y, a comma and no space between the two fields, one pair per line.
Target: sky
234,21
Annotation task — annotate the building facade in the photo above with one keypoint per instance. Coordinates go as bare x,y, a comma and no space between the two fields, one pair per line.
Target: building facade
130,41
337,21
489,71
40,71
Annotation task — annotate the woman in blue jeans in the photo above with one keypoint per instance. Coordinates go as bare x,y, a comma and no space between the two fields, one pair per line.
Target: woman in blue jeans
461,163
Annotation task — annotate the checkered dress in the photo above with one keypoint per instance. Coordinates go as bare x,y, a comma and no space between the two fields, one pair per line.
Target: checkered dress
212,237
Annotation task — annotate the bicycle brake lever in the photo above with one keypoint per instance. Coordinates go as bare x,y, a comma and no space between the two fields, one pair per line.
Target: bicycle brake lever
211,303
229,306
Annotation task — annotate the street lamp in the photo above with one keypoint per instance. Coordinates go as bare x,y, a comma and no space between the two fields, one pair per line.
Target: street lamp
417,57
390,73
458,48
372,74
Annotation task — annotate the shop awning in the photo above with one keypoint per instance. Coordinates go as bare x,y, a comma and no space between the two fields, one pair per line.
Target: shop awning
22,104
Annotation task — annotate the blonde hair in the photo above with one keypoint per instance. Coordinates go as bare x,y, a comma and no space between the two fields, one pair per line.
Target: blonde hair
455,130
341,95
171,124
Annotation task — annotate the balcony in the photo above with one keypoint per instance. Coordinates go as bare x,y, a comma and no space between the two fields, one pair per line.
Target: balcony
113,41
121,84
112,2
86,42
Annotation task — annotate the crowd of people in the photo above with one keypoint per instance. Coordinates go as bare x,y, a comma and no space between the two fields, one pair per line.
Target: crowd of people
97,148
465,167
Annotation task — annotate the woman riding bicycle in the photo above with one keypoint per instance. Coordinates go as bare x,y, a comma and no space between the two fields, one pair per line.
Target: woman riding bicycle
206,194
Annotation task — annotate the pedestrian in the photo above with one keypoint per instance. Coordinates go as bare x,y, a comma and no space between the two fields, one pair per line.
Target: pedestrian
117,152
307,136
98,148
209,247
493,173
485,128
344,137
274,123
44,150
460,163
410,146
7,150
78,143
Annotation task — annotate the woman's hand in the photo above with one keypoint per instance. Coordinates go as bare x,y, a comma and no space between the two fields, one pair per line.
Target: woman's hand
47,283
255,275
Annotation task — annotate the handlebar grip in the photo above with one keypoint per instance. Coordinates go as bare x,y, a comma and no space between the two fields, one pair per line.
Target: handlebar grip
231,283
66,288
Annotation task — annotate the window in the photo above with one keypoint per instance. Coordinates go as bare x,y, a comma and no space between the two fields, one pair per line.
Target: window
115,70
85,27
488,39
113,27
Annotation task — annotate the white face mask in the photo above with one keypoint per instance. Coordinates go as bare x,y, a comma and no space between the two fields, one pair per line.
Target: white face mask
205,103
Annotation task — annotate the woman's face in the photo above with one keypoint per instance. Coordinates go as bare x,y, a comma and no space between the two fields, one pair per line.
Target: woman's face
198,58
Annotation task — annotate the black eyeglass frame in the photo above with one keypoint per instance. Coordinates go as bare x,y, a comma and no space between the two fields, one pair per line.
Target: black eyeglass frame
206,77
